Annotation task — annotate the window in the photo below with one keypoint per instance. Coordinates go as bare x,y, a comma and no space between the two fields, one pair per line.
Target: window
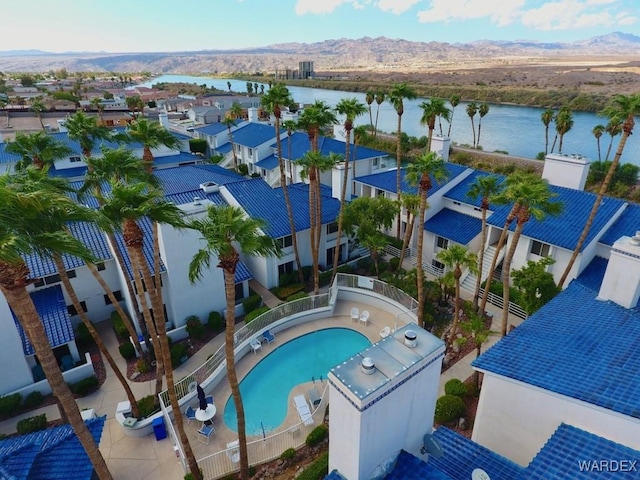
239,292
437,264
117,294
72,310
51,279
71,274
75,159
100,266
379,193
332,228
38,283
376,162
285,268
284,242
442,242
540,249
250,152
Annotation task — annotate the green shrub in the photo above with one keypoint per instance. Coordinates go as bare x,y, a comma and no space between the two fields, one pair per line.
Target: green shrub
243,169
9,404
34,399
148,405
317,470
256,313
143,366
215,321
288,454
325,278
283,292
316,436
85,386
178,351
127,350
449,408
455,387
194,326
297,296
393,263
32,424
83,337
251,303
287,279
118,326
307,272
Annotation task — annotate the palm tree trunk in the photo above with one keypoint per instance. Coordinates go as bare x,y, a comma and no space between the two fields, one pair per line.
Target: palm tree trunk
553,145
419,268
135,409
312,231
375,129
343,196
606,158
398,164
473,129
479,127
599,155
229,289
13,287
476,292
450,122
456,306
371,119
506,276
411,220
594,209
318,231
546,139
560,143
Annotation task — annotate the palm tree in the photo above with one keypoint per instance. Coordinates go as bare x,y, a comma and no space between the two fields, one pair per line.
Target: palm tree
151,135
359,133
564,122
547,117
479,332
135,104
457,257
86,131
420,172
313,164
369,97
533,197
21,234
229,85
235,111
483,109
38,149
222,228
400,92
37,106
129,205
99,106
315,119
598,131
454,101
350,108
622,111
434,108
272,101
380,97
485,188
411,204
613,128
472,109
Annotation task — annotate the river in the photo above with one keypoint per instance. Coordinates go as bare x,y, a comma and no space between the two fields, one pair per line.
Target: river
515,129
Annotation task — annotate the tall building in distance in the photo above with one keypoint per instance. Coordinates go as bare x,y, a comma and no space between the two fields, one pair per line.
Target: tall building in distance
305,70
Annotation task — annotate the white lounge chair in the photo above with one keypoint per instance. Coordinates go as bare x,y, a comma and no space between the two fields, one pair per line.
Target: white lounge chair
385,332
364,317
255,344
355,314
303,409
233,451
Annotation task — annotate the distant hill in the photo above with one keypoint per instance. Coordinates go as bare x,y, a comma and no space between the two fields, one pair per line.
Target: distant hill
338,54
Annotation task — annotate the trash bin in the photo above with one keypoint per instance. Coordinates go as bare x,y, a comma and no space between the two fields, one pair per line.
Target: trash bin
158,428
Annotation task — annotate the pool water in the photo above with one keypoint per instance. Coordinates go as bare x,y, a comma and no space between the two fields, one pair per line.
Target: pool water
265,390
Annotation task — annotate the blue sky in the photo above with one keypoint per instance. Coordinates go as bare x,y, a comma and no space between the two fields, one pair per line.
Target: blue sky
170,25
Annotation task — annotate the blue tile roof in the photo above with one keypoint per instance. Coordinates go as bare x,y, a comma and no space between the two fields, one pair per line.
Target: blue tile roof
254,134
626,225
408,467
592,276
561,456
462,456
576,346
51,454
54,315
214,128
268,163
387,180
177,159
223,149
564,230
74,172
6,157
459,192
189,177
300,145
454,225
259,200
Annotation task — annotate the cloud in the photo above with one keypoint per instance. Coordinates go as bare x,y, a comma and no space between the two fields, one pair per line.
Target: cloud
326,6
571,14
500,12
396,6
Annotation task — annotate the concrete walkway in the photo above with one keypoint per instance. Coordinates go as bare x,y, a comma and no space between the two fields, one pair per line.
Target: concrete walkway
269,299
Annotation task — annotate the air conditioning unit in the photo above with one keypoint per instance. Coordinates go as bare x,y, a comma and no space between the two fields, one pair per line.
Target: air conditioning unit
209,187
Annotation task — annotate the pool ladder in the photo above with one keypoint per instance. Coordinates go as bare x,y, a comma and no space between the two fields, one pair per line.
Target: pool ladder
313,379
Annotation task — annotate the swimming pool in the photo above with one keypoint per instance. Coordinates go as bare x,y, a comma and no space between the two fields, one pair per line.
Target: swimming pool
265,389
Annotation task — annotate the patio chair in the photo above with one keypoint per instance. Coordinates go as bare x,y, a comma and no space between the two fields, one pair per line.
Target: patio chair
268,336
385,332
190,414
233,451
303,409
209,399
364,317
205,432
255,344
355,314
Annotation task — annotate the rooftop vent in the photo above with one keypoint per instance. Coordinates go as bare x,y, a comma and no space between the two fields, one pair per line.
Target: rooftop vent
635,240
410,339
196,201
367,366
209,187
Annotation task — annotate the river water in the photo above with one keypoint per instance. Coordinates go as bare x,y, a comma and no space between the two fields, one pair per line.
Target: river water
509,128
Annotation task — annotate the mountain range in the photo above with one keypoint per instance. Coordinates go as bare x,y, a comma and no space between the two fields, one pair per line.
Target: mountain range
330,55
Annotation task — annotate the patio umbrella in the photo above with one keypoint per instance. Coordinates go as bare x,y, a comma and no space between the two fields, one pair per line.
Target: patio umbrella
201,398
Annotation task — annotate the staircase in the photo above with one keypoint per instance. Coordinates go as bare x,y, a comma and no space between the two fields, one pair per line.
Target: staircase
469,282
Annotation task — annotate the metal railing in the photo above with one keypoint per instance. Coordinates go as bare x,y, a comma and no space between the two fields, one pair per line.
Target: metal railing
498,301
377,286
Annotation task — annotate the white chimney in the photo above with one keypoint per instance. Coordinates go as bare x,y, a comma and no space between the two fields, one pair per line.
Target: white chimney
621,283
252,113
163,118
566,170
440,144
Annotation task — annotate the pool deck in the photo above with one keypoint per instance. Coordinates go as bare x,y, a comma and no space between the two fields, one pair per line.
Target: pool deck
378,319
